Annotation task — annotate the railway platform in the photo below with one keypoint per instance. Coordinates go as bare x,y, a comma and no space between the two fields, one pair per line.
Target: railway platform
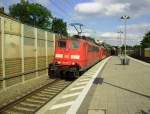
107,88
123,89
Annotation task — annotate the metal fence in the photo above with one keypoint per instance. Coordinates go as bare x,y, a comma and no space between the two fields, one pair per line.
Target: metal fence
147,52
140,52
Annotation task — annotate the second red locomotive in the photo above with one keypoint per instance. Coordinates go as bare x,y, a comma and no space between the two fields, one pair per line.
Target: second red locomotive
73,55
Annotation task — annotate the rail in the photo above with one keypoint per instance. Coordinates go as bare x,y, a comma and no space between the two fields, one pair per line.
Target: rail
32,102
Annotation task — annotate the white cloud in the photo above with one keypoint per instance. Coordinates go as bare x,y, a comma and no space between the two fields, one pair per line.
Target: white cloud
88,8
106,35
136,28
114,38
113,7
98,8
113,35
110,37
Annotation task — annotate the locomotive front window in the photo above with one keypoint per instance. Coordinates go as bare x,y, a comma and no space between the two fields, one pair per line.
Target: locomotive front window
62,44
74,44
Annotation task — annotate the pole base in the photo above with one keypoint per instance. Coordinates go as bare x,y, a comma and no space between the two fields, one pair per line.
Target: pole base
125,61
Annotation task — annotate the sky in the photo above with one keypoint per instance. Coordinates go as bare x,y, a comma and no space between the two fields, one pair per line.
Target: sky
101,18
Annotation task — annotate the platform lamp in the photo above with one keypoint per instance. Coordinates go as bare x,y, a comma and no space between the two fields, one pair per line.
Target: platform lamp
125,18
120,40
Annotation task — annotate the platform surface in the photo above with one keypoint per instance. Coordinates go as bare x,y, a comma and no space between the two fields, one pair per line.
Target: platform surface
125,89
70,99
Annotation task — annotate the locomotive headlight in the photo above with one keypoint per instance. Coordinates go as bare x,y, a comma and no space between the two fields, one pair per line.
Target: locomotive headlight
59,55
59,62
75,56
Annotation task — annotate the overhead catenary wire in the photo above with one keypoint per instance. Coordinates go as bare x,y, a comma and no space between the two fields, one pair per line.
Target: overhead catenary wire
56,12
63,12
70,5
60,9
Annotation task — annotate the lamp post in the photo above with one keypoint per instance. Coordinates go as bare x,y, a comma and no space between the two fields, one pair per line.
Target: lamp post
120,41
125,18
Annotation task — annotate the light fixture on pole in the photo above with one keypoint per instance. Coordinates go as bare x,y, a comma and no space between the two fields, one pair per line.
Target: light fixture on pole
120,40
120,32
125,18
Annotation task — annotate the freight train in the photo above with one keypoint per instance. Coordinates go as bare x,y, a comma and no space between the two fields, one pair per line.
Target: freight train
75,55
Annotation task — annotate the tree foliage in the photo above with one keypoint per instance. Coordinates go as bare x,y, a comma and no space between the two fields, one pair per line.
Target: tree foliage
146,40
31,13
59,27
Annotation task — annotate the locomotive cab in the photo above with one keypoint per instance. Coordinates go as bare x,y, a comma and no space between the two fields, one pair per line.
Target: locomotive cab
67,52
67,56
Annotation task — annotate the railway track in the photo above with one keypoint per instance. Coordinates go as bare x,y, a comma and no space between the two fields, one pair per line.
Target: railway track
32,102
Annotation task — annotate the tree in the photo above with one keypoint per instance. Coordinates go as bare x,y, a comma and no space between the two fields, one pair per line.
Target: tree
146,40
20,11
31,13
59,27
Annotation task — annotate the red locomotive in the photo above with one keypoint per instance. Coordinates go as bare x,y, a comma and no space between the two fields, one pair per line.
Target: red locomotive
73,55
